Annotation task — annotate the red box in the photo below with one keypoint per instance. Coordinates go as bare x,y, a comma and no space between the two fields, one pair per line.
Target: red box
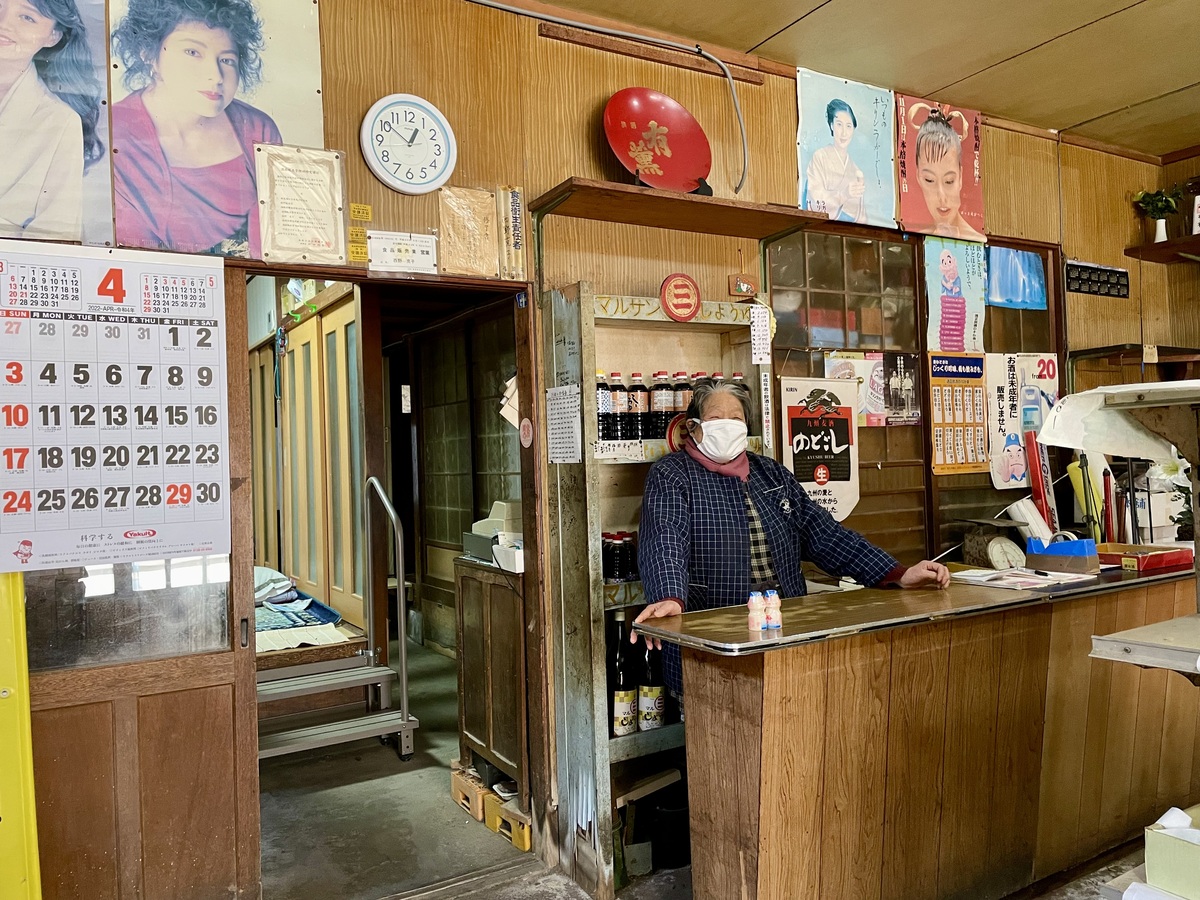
1143,557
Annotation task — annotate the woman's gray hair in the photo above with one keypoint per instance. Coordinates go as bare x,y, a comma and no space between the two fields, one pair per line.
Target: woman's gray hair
706,388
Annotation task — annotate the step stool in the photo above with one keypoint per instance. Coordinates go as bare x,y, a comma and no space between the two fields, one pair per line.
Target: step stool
468,793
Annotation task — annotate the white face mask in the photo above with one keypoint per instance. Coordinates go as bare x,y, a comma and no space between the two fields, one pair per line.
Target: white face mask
724,439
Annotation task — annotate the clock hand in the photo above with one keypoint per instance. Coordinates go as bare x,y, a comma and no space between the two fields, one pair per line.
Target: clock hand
416,131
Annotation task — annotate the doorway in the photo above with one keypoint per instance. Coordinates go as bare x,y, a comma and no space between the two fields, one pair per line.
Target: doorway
352,380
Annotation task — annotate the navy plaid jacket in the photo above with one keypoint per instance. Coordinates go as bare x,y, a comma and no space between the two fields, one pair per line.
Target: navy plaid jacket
694,541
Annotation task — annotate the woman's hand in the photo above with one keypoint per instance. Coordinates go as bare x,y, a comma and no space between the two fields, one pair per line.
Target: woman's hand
660,610
925,574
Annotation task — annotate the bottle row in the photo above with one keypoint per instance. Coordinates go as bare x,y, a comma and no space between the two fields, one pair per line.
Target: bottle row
618,556
634,411
636,690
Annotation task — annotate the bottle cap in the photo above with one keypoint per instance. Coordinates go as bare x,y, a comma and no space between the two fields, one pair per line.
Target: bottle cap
637,375
718,375
616,374
599,373
738,375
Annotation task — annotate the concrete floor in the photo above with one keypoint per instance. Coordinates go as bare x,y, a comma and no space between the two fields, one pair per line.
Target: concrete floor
354,823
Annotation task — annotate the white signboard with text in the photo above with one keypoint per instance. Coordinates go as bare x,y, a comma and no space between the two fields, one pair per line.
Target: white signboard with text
113,432
820,440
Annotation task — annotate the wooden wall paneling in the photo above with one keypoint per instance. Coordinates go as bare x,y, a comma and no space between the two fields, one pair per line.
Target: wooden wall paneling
573,84
793,753
467,60
1122,713
1179,720
632,260
189,817
1020,720
855,766
1183,279
127,766
1017,168
263,471
969,751
916,736
77,816
472,686
725,714
1099,222
1096,740
1148,730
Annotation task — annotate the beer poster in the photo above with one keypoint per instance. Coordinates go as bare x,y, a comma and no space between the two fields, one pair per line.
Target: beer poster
958,411
820,440
1022,388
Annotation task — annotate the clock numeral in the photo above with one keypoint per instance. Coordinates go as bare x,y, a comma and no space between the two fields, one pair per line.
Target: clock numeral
424,172
433,135
379,137
409,116
437,149
387,126
385,156
409,175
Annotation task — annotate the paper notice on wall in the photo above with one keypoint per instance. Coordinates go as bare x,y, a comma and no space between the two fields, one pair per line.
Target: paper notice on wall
563,424
398,251
1022,388
959,413
303,217
760,335
820,440
768,421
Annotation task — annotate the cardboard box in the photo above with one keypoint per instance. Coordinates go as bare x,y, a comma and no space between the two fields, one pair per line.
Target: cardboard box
1143,557
1173,864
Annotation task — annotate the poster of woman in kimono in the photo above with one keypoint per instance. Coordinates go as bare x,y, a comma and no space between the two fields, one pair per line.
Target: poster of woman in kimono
183,170
938,157
53,121
846,149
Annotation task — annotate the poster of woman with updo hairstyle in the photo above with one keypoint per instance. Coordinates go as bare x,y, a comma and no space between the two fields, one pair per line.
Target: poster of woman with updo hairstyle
938,169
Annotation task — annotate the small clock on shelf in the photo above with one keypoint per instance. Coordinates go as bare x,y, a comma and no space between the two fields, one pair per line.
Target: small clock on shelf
408,143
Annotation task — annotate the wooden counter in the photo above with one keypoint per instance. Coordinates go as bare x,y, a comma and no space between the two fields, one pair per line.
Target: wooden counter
968,754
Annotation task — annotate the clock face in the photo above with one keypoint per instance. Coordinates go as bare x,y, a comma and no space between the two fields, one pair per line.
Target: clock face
408,144
1004,554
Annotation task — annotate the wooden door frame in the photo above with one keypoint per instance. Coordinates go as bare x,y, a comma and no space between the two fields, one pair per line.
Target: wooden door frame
124,684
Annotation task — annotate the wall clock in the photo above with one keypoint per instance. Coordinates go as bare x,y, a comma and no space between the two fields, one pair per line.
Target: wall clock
408,144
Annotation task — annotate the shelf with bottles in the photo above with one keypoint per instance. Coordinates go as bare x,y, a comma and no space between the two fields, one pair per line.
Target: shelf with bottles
639,705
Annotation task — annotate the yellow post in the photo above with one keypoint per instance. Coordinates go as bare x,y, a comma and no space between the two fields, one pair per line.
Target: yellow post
20,877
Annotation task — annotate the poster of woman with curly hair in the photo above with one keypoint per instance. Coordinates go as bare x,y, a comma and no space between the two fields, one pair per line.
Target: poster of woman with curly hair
54,184
196,84
938,160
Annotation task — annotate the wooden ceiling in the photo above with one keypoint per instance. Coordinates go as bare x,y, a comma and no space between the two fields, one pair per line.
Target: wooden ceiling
1124,72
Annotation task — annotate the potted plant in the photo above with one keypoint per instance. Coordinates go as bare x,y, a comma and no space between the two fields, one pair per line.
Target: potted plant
1157,205
1184,523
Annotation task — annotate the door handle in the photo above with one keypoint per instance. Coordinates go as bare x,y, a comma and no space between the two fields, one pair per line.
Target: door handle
245,629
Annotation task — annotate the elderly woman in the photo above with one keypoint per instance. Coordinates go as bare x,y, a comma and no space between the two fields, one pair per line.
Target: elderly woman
719,522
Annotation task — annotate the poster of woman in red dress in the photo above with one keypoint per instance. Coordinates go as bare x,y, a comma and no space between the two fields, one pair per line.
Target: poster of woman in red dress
938,168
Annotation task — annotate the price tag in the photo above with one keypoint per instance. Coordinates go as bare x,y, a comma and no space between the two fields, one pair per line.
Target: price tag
113,437
760,335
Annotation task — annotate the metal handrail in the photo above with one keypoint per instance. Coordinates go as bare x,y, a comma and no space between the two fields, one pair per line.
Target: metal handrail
398,528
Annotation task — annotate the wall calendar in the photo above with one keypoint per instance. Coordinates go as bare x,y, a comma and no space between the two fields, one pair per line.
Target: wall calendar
113,432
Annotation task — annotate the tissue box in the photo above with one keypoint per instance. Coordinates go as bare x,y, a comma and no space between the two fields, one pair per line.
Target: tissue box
1173,864
510,559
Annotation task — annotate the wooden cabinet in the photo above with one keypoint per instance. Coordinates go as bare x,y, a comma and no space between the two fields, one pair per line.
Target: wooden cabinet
491,669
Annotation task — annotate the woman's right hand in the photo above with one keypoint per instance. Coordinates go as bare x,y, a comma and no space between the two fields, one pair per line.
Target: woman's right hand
660,610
